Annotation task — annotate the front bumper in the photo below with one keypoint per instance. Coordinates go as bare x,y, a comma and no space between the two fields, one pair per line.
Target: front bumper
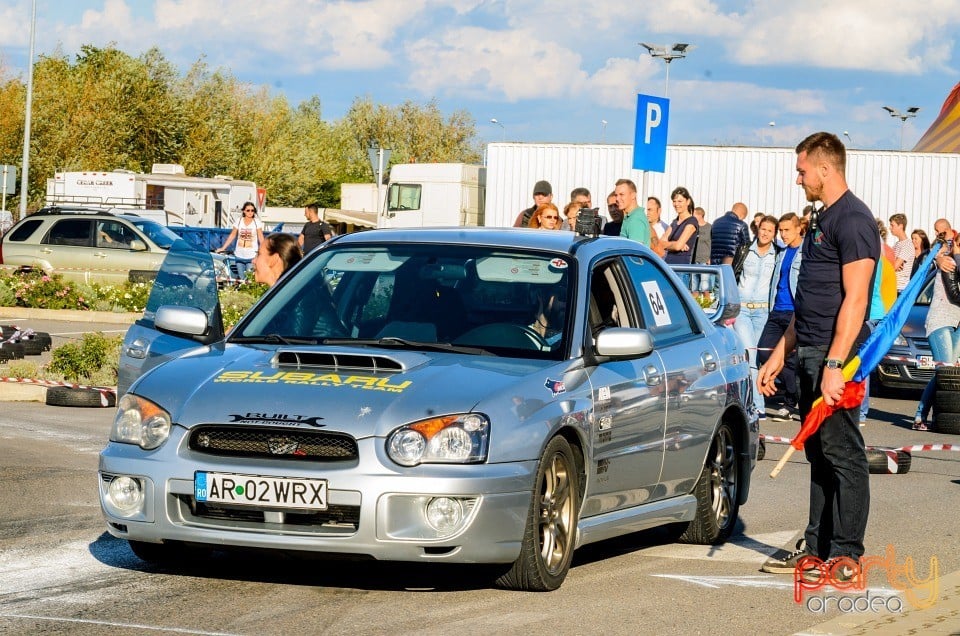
376,509
898,372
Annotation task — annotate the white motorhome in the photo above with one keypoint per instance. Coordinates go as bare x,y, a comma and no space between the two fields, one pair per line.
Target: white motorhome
434,194
166,194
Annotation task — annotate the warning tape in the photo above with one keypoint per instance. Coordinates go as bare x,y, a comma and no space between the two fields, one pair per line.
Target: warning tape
104,392
928,447
913,448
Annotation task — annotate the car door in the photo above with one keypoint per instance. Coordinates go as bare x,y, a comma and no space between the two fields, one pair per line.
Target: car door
68,248
629,402
694,381
120,250
186,278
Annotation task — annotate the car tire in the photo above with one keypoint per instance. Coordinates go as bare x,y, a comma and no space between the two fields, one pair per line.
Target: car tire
32,346
946,422
15,349
946,401
69,396
878,462
550,535
717,492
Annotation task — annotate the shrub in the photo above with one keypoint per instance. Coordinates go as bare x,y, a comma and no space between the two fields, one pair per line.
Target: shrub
235,303
36,289
85,359
126,297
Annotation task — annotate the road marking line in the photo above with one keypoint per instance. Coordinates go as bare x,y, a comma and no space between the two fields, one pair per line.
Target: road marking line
85,621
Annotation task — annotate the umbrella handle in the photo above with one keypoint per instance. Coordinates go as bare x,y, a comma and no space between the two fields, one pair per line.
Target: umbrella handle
782,462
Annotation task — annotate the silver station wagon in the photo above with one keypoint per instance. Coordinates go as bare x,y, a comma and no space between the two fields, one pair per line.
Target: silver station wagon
435,395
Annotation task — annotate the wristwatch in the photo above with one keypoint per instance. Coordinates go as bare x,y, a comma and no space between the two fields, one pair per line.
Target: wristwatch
833,363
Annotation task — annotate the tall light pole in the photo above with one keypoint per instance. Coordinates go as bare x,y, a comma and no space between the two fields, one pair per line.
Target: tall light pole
502,128
603,130
25,170
668,54
772,126
847,135
903,117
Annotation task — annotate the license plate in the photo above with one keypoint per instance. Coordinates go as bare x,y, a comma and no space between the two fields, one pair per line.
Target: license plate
925,362
264,492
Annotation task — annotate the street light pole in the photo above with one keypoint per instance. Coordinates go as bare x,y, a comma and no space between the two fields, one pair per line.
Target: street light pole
603,130
502,128
903,117
668,54
25,170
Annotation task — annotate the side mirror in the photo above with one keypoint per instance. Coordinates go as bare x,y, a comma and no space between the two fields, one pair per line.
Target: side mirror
182,321
138,246
623,342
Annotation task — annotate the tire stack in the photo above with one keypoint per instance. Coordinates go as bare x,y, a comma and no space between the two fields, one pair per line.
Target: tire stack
19,343
946,400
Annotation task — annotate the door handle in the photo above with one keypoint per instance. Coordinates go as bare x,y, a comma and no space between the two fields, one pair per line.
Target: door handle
652,376
708,361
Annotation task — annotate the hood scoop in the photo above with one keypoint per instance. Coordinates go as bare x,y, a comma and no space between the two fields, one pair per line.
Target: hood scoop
332,360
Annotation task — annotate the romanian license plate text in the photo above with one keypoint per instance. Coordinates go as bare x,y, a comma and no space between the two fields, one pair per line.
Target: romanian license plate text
925,362
253,490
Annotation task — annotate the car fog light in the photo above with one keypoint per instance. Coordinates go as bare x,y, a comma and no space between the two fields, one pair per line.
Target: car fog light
444,514
126,494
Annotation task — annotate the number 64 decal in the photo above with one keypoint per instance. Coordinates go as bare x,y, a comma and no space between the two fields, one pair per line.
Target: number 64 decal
658,307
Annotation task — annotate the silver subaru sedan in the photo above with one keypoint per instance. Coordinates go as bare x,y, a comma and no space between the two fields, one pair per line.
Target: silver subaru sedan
436,395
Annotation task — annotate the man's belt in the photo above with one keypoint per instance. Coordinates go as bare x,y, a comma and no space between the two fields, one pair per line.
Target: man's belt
756,305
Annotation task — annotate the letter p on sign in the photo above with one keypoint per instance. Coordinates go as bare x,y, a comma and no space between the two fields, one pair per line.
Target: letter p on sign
650,138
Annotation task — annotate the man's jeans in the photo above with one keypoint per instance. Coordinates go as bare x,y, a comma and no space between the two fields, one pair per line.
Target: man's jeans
945,347
749,326
839,474
777,323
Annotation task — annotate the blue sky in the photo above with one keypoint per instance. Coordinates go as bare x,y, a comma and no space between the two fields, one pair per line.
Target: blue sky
553,71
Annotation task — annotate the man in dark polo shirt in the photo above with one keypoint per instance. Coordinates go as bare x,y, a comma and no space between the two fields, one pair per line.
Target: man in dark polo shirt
840,253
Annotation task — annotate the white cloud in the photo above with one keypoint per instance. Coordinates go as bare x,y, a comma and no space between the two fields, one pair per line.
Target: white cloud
875,35
480,62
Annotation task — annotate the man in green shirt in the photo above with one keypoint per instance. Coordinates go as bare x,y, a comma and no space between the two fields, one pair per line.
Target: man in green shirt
635,224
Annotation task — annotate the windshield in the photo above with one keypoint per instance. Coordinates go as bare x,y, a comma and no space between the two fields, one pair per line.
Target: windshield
157,233
422,296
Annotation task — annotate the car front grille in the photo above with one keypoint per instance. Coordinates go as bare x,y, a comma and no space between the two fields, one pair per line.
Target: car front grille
336,520
273,443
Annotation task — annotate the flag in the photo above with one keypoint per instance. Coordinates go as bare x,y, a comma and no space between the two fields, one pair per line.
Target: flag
865,361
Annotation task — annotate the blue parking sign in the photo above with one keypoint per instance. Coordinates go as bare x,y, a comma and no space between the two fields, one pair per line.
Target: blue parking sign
650,138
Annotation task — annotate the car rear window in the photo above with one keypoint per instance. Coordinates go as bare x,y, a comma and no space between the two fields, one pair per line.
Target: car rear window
23,231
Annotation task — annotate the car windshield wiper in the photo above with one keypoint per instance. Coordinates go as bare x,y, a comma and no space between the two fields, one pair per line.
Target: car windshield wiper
273,338
403,343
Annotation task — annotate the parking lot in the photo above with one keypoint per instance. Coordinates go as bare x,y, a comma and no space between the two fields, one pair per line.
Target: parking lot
60,572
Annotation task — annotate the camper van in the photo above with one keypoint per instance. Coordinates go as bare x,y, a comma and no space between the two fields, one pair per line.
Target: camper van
166,195
434,194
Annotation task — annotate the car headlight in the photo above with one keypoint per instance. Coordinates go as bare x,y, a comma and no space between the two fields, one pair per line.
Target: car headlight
452,439
139,421
900,341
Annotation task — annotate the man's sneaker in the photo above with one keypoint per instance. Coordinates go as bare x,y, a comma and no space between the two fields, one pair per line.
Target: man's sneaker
783,414
843,570
787,564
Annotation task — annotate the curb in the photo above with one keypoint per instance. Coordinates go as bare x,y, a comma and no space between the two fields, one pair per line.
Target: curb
23,393
69,315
